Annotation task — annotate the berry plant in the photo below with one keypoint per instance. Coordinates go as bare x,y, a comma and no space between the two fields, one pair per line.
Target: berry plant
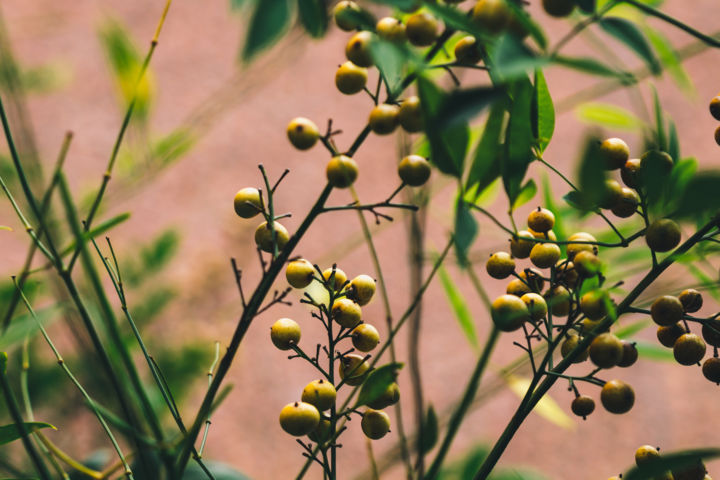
462,86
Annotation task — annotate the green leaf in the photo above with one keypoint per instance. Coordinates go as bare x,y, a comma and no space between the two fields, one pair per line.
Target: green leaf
460,106
220,471
3,363
629,34
10,433
594,67
519,139
587,6
399,4
528,24
5,227
670,462
173,146
313,17
430,430
390,59
661,138
652,351
24,325
546,407
527,192
377,382
632,329
237,4
103,227
267,24
511,59
608,115
700,197
459,306
466,229
486,163
592,174
670,60
543,112
673,142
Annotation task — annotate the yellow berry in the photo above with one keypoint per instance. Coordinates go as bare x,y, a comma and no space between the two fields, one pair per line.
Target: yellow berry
302,133
247,202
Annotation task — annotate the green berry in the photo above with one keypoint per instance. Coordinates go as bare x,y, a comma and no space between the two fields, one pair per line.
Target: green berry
299,273
264,237
346,313
341,171
375,424
358,49
299,418
319,393
414,170
302,133
365,337
509,313
384,118
285,333
500,265
247,202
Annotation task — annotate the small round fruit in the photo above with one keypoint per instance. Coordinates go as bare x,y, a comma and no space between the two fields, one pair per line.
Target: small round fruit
509,313
617,396
592,304
629,356
422,29
717,135
587,263
500,265
715,107
627,203
536,305
569,345
353,369
695,471
362,289
358,51
558,8
663,235
689,349
346,313
574,248
319,393
566,273
375,424
338,281
587,326
299,418
520,248
545,255
350,78
614,153
630,173
411,116
365,337
322,432
493,15
646,454
341,171
582,406
541,220
666,310
345,15
391,29
414,170
606,350
247,202
711,369
549,235
668,335
302,133
384,118
711,332
264,237
558,300
655,160
467,51
691,300
390,396
611,195
285,333
517,288
299,273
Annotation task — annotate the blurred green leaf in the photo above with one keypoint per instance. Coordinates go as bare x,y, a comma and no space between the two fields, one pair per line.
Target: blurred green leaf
237,4
152,303
670,461
550,204
512,59
546,407
670,60
430,430
459,306
652,351
608,115
587,6
527,193
313,17
399,4
629,34
700,198
712,285
172,146
267,24
180,365
10,433
593,67
219,471
592,174
486,163
3,363
660,136
528,24
152,257
100,229
462,105
24,325
632,329
673,142
390,59
519,139
543,112
466,230
377,382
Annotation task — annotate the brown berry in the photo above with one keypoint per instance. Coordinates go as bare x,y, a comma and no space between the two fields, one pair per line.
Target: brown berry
689,349
617,396
666,310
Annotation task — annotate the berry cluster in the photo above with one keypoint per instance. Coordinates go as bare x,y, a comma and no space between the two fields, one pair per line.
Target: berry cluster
715,112
646,456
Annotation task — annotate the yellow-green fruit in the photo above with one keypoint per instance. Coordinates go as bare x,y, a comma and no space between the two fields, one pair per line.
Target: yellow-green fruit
559,8
285,333
414,170
422,29
336,281
319,393
350,78
362,289
587,263
617,396
574,248
264,237
492,15
663,235
299,418
711,369
630,354
346,313
569,345
660,162
630,173
592,304
715,107
509,313
586,326
689,349
375,424
365,337
520,248
517,288
358,51
391,29
341,171
302,133
691,300
646,455
299,273
545,255
345,15
711,332
627,203
614,153
549,235
384,118
565,272
533,278
582,406
500,265
606,350
536,305
541,220
353,369
390,396
467,51
247,202
411,116
558,300
322,432
666,310
612,194
668,335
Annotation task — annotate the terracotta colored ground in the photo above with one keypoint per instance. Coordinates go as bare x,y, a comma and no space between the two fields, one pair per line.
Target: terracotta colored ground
240,117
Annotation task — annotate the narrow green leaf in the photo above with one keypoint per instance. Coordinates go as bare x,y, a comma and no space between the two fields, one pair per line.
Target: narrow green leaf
701,197
527,193
518,139
662,142
528,24
237,4
313,17
629,34
632,329
713,287
377,382
670,60
486,163
511,59
219,471
103,227
594,67
654,352
10,433
671,462
460,309
592,172
267,24
608,115
673,142
3,363
390,59
543,112
430,430
462,105
399,4
5,227
23,326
